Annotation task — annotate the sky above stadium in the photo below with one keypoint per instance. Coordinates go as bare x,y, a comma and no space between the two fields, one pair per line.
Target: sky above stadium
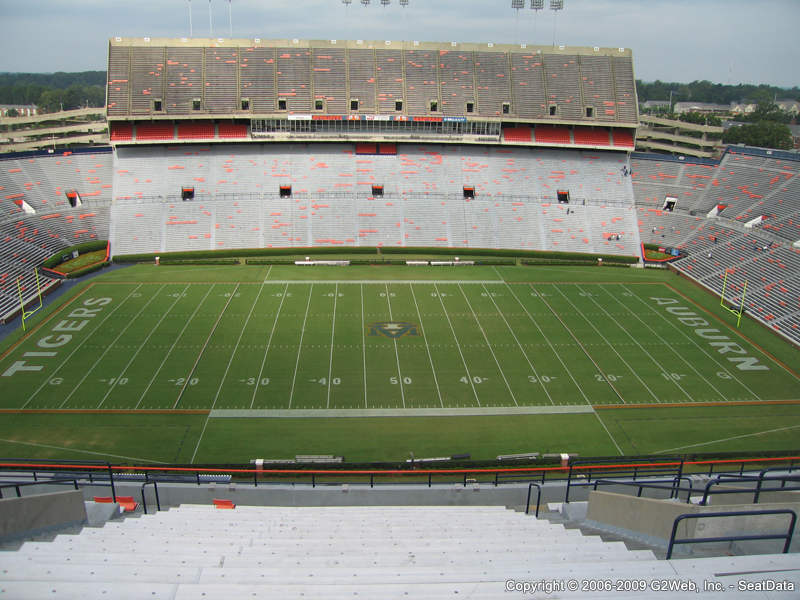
724,41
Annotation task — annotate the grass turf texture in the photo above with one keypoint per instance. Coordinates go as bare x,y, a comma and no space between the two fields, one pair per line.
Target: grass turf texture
202,337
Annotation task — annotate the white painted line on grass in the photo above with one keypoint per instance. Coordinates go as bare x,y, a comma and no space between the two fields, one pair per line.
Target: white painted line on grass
519,345
266,277
396,353
300,345
611,437
549,343
363,344
79,346
269,343
203,349
169,352
139,349
427,347
458,345
111,345
489,345
636,341
38,445
385,281
729,439
330,361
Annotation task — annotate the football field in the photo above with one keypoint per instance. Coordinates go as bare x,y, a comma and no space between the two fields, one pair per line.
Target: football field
327,343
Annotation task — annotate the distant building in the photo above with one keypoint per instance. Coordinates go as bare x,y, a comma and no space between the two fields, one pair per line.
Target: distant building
23,110
742,109
789,106
795,131
701,107
656,104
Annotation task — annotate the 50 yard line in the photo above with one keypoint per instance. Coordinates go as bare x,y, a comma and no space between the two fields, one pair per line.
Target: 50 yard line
396,353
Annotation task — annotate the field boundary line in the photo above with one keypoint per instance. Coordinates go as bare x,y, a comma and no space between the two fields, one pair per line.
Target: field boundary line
525,354
609,344
139,349
40,325
697,345
300,413
174,343
300,344
635,341
613,441
203,349
549,343
79,346
729,439
489,345
427,347
693,404
269,344
38,445
103,411
396,353
736,332
458,344
236,347
333,331
383,281
580,344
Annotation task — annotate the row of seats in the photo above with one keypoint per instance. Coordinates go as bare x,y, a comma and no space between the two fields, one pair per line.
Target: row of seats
161,131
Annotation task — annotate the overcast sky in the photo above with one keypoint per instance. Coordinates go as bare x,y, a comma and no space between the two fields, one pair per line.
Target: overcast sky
724,41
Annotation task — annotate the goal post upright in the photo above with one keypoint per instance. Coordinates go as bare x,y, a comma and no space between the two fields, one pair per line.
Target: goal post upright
27,314
739,312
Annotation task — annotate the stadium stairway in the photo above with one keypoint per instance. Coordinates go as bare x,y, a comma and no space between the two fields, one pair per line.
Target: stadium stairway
195,552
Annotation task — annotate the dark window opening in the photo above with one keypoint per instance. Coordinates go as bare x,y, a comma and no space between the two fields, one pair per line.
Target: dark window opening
434,106
196,103
286,191
353,104
469,192
563,196
398,105
187,193
377,191
319,105
553,108
669,203
590,111
281,103
470,107
158,106
73,198
245,104
506,108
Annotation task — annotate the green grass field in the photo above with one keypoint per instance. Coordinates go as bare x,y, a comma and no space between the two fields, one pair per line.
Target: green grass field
377,362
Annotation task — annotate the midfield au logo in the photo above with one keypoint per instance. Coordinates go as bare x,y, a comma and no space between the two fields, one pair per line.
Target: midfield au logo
392,329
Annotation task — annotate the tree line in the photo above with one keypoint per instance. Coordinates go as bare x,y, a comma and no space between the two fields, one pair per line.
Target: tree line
716,93
52,92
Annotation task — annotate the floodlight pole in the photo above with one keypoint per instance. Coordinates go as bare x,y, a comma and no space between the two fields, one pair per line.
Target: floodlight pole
191,30
230,19
555,6
210,24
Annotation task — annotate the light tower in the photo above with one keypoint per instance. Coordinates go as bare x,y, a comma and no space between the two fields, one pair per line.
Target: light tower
555,6
517,4
536,6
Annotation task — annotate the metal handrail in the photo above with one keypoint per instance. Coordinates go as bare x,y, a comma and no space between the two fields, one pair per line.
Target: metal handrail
538,498
144,498
734,538
16,486
758,479
651,484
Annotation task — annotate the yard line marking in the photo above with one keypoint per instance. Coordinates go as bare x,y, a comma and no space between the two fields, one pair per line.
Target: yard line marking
458,345
580,344
169,352
385,281
363,344
111,345
269,343
609,344
694,342
489,345
635,341
266,277
552,349
396,353
729,439
525,354
663,341
38,445
139,349
333,329
427,348
203,349
78,347
613,441
236,347
300,345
